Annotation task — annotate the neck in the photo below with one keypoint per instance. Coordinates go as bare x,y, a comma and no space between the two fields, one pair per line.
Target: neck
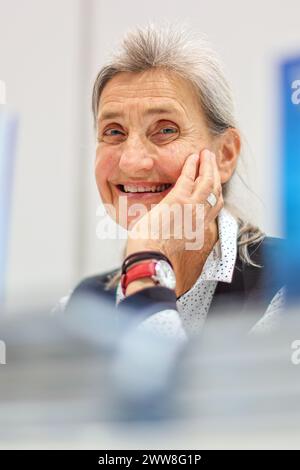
195,260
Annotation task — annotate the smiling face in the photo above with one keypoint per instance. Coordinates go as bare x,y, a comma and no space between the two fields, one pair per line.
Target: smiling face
148,124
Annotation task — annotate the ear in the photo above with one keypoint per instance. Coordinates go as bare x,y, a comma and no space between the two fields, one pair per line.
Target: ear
227,153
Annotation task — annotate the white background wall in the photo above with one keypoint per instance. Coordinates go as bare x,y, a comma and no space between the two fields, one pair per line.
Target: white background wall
50,52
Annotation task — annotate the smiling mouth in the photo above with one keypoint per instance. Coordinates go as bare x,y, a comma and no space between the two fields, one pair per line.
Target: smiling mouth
140,189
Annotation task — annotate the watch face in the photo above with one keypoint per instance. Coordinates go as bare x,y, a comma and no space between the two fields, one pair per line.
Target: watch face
165,274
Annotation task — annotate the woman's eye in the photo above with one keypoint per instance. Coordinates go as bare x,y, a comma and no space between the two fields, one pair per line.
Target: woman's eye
112,132
168,130
113,136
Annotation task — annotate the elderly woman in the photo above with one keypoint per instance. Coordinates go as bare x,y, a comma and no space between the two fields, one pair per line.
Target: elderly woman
168,139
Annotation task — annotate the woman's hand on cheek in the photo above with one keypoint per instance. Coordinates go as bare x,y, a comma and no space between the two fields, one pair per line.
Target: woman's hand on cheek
180,220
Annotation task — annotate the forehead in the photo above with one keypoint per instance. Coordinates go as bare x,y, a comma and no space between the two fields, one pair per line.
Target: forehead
148,88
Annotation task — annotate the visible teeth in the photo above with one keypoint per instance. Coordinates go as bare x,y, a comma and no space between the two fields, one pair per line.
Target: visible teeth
129,188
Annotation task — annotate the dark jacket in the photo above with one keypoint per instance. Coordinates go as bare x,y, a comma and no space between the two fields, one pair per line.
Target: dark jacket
250,286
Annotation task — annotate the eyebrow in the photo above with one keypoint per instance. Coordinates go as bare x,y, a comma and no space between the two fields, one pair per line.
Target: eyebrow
150,111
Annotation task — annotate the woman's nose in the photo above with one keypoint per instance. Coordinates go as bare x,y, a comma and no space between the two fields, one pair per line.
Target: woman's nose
135,158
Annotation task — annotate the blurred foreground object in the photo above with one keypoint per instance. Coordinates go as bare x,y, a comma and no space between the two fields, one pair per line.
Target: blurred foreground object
8,131
93,379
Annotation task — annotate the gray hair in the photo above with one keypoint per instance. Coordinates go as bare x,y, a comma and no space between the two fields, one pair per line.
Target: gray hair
190,56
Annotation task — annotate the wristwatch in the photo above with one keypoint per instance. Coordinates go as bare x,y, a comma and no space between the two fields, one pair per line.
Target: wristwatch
159,271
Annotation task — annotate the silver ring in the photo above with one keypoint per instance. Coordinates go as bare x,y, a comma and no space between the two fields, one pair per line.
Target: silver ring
212,199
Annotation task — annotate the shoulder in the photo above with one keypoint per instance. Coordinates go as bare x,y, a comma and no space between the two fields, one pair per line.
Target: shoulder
272,318
266,284
268,247
264,272
253,286
95,284
97,281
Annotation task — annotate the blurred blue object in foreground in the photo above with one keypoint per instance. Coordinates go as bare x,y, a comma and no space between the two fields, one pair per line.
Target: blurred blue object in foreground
93,378
8,128
290,151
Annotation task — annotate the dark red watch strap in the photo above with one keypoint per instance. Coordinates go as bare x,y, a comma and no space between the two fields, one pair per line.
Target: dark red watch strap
138,271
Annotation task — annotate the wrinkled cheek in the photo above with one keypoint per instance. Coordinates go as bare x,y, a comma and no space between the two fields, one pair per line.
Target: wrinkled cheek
173,162
104,168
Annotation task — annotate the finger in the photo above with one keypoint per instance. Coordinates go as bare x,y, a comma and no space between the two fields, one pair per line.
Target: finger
186,180
217,190
204,183
206,168
217,187
213,211
209,182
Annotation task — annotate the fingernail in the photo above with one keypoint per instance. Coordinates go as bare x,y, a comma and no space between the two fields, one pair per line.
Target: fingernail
195,156
207,154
